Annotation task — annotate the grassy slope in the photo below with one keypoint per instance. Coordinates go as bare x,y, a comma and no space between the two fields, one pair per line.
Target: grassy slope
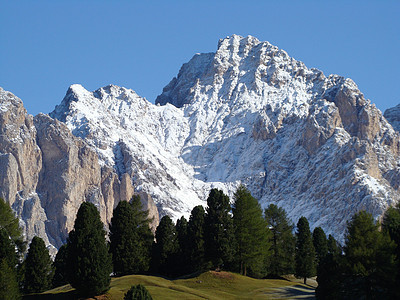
209,285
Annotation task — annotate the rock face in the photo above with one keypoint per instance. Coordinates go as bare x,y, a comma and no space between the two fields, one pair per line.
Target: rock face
393,116
47,173
250,114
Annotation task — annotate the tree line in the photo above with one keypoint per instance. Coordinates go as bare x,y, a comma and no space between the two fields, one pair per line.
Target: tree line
240,238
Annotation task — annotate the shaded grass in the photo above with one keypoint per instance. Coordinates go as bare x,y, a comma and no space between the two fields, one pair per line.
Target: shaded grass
209,285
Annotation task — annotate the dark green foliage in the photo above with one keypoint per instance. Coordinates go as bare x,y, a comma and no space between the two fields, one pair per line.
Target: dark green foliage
166,248
305,252
369,260
7,249
320,244
251,232
89,262
9,289
333,246
330,277
138,292
60,267
130,238
196,239
38,267
219,232
183,262
281,261
391,225
10,224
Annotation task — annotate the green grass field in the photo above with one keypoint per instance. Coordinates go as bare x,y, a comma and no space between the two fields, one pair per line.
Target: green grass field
209,285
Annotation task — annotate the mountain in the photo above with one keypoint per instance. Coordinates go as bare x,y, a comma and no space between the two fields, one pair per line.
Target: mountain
47,172
393,116
248,113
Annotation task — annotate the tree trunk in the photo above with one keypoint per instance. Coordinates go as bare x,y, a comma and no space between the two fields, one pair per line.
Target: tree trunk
245,270
241,268
305,280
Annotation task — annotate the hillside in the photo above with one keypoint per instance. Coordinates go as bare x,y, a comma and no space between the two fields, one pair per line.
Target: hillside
209,285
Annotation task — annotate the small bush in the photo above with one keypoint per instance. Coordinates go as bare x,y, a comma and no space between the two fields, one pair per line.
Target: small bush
138,292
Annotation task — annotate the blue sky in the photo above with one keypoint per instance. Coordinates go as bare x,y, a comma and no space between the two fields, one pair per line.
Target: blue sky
48,45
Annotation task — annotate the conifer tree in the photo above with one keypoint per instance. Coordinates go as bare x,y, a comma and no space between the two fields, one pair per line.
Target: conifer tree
219,232
251,232
333,246
138,292
282,240
391,225
89,262
9,289
38,267
60,267
196,239
130,238
305,252
370,260
10,224
183,249
320,244
166,248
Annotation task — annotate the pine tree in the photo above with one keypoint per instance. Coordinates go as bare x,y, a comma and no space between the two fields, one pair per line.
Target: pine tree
38,268
138,292
9,289
282,240
7,249
10,224
334,247
320,244
130,238
183,249
166,248
251,232
89,262
370,260
196,239
305,252
61,267
219,232
391,225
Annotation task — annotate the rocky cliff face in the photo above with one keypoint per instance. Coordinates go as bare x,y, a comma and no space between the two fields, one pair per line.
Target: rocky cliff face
393,116
248,113
47,173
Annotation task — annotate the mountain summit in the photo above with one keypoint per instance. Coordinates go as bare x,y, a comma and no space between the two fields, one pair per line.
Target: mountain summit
248,113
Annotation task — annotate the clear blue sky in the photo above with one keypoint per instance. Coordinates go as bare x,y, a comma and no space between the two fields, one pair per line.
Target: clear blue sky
45,46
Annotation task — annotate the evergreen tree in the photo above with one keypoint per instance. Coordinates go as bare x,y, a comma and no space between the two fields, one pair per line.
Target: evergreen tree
60,267
9,289
38,268
130,238
183,249
369,259
219,232
330,277
10,224
196,239
305,252
7,249
251,232
282,241
333,246
320,244
165,248
391,225
138,292
89,262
